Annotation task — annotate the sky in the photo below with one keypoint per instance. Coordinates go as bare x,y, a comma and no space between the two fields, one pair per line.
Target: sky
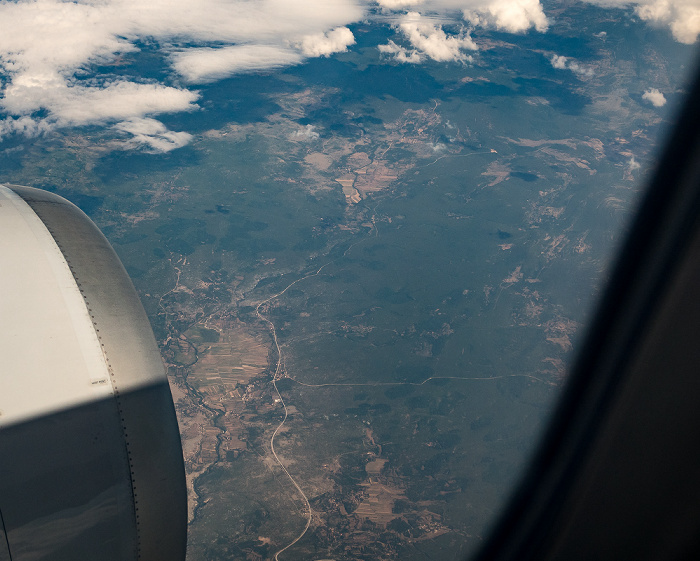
53,53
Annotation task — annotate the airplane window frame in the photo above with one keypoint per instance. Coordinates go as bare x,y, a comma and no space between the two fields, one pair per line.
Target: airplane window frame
545,517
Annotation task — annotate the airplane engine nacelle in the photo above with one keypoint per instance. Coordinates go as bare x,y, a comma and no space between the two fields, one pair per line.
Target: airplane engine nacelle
91,462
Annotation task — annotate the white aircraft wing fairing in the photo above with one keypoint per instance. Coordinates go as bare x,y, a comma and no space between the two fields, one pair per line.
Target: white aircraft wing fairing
90,456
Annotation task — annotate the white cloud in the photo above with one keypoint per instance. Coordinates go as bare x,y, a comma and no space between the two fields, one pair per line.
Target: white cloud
430,40
73,104
514,16
44,44
401,54
50,49
559,62
682,17
576,68
564,63
398,4
22,125
153,135
325,44
655,97
235,21
433,41
207,64
306,133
